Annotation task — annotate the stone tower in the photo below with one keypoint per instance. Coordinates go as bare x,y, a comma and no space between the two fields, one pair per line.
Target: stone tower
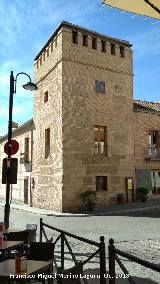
83,113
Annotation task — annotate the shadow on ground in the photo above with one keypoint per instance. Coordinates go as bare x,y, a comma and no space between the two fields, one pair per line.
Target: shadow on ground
95,272
151,213
92,275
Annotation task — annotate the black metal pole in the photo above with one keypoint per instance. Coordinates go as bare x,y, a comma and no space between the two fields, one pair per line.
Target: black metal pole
7,205
62,252
41,229
111,255
102,254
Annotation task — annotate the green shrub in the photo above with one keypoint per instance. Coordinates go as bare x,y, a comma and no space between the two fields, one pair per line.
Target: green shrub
88,196
142,191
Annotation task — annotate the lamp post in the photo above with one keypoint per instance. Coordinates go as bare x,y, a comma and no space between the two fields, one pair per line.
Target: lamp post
31,87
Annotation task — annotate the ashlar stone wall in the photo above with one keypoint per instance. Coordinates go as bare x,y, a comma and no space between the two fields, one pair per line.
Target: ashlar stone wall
83,108
47,172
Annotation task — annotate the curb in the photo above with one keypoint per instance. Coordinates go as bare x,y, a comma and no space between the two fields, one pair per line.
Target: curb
40,212
128,210
86,214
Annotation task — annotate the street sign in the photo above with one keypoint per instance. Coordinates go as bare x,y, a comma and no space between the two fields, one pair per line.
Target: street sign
14,148
12,168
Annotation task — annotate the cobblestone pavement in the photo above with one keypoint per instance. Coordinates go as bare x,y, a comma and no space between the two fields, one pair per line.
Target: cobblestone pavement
136,235
145,249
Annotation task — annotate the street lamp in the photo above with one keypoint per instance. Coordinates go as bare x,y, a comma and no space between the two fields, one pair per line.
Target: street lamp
31,87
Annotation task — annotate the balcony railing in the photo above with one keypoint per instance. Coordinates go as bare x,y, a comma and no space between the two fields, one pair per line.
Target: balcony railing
153,153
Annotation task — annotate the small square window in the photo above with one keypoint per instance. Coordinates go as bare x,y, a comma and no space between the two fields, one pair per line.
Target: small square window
101,183
46,97
99,86
75,37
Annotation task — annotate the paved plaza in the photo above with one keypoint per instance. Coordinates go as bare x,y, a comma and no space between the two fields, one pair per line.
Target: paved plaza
137,233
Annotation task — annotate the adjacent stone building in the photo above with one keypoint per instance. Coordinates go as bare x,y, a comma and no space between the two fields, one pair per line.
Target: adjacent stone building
88,133
22,191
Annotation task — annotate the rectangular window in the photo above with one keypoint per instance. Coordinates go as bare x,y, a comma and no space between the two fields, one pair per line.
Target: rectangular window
100,139
103,46
94,43
85,40
153,138
26,150
37,64
75,37
122,51
101,183
41,60
113,49
47,142
46,97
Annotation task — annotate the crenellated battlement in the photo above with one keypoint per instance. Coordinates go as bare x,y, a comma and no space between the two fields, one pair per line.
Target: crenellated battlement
73,42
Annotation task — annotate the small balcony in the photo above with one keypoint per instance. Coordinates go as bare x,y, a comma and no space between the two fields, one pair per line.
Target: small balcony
152,153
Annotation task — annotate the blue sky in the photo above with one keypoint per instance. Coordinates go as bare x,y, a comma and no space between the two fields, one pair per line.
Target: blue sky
26,25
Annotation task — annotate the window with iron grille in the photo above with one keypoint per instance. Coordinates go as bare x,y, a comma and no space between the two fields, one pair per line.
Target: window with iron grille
100,146
47,142
101,183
